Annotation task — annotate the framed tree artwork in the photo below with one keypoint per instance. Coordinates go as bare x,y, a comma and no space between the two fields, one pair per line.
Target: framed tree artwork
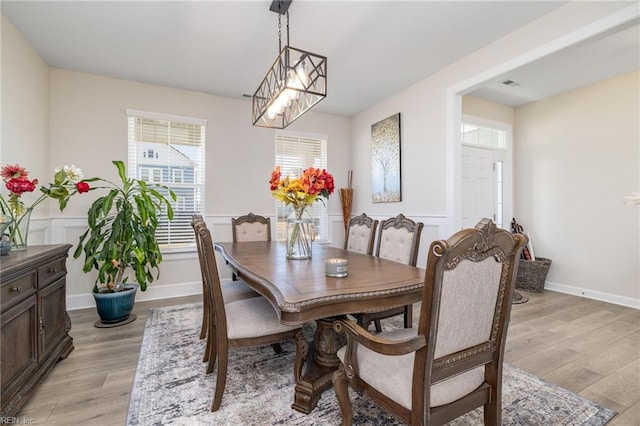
385,160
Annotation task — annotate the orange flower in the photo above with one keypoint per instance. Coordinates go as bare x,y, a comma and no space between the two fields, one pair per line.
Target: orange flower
304,190
275,178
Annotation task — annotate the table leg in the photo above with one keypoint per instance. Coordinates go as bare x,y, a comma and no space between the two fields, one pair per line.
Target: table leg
315,365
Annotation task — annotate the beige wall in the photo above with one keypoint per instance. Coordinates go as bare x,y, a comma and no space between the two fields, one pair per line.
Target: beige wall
25,109
425,160
89,128
576,157
485,109
53,117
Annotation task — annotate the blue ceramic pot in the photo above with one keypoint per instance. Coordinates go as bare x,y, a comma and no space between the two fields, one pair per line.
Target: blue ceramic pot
116,307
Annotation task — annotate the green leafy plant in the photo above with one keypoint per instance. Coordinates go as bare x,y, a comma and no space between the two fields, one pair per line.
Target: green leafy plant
122,232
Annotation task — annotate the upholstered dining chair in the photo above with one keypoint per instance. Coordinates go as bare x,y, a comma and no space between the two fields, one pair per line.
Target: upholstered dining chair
251,227
453,362
398,240
361,233
234,290
243,323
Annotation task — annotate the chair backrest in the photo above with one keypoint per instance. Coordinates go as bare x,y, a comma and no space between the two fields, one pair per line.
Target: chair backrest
195,219
399,240
211,280
251,227
466,306
361,234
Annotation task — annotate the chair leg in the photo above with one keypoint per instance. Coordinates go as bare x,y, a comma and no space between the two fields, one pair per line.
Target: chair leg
276,348
203,328
206,332
492,413
221,377
342,393
211,351
378,326
408,316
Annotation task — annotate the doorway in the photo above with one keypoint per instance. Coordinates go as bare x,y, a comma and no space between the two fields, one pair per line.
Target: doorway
486,178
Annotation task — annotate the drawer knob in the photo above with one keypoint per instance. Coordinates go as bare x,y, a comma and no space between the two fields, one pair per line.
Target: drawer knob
18,289
52,270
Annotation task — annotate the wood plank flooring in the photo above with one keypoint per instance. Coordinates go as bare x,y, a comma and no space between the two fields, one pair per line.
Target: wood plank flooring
589,347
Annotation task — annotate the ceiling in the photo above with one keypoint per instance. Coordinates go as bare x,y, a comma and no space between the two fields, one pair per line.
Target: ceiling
609,54
374,48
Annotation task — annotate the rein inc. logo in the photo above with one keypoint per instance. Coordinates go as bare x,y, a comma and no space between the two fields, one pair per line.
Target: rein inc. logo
17,420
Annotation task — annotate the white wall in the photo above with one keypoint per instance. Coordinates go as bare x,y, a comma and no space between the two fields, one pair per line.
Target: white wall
88,127
486,109
25,110
425,159
576,157
53,117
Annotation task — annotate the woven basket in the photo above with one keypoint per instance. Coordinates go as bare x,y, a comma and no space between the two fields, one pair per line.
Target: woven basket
532,274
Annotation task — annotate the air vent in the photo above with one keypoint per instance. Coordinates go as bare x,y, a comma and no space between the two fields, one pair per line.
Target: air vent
510,83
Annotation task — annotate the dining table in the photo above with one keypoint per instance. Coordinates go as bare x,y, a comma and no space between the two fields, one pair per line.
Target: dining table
301,293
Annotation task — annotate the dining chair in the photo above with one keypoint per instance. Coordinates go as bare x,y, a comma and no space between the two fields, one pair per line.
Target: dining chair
244,323
251,227
361,233
232,291
399,241
453,362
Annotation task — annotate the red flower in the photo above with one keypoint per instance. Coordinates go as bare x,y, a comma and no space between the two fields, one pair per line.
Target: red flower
82,187
12,172
20,185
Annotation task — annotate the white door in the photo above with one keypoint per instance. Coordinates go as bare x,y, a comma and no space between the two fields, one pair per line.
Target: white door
478,185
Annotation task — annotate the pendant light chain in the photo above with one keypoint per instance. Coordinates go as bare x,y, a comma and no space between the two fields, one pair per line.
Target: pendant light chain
288,28
280,33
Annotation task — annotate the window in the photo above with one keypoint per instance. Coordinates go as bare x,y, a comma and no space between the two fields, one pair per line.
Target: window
293,155
473,134
169,150
149,174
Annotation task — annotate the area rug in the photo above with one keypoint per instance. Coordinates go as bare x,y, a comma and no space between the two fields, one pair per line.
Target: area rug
171,387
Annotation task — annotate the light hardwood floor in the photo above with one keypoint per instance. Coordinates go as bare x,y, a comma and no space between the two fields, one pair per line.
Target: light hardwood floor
589,347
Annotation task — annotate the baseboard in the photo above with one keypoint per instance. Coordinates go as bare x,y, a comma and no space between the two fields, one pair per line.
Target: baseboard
83,301
592,294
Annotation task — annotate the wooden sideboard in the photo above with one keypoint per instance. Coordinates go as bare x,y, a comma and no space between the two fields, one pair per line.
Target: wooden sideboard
34,320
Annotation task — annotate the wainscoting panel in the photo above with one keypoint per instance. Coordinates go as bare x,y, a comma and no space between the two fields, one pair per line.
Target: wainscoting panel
179,272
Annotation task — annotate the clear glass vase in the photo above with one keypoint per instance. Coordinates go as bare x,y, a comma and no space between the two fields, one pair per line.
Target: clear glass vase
300,237
19,231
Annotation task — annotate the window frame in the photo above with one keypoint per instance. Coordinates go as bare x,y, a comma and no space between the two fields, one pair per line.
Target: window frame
320,209
180,142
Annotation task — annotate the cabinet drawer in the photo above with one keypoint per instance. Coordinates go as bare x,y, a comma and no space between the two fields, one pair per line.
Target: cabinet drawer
51,272
17,289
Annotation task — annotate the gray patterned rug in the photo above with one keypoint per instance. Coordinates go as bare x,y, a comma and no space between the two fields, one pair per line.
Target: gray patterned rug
170,387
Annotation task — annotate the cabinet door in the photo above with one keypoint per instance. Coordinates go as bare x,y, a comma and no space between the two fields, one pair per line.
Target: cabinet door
53,316
19,348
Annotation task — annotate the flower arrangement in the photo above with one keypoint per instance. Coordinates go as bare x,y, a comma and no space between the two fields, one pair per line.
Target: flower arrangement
302,191
67,181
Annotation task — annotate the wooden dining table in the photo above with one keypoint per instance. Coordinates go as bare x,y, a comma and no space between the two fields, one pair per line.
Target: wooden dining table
300,292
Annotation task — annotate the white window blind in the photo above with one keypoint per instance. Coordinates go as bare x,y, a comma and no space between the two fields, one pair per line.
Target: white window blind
161,148
293,155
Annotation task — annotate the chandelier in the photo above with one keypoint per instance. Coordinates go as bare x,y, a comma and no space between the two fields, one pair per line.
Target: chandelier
296,81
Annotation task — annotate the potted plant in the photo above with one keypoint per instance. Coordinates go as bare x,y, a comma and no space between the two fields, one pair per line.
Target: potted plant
121,240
